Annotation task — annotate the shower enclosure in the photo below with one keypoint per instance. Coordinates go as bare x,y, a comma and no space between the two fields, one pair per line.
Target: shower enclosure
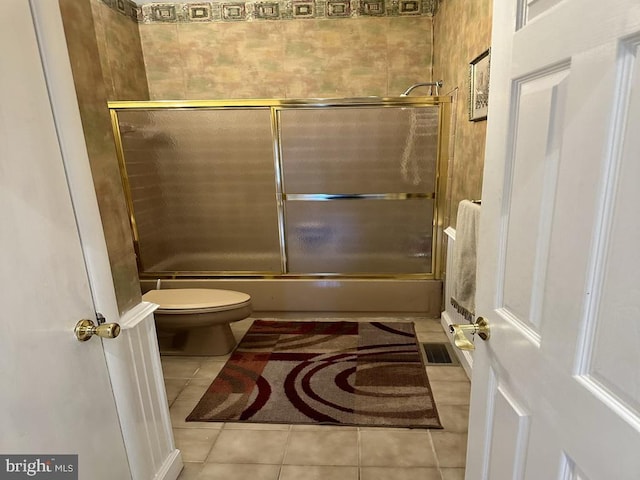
345,188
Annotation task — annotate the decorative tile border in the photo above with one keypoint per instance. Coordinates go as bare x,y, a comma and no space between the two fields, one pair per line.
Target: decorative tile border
126,8
164,13
304,9
198,12
338,8
372,8
234,11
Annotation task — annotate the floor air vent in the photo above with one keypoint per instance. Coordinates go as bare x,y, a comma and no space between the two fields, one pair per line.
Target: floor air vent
439,354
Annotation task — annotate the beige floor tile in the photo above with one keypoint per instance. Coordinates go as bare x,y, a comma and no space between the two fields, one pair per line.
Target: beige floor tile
193,392
399,473
323,428
194,443
451,448
249,446
432,337
221,471
393,448
386,429
219,358
451,393
173,387
199,382
241,327
180,367
209,369
190,471
256,426
328,447
181,409
447,374
428,325
454,418
324,472
452,473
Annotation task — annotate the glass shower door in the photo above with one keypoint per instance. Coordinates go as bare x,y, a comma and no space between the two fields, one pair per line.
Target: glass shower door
201,189
358,185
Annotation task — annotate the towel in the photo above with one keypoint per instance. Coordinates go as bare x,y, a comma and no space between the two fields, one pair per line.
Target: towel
463,284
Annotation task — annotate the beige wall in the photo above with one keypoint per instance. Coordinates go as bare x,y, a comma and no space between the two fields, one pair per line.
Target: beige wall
286,58
462,31
92,92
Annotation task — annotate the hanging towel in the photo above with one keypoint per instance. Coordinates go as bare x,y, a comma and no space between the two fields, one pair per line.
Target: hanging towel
463,284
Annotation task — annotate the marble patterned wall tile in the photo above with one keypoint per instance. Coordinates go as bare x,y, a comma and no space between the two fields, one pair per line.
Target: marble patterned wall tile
292,59
120,54
462,31
240,60
92,98
410,50
163,61
336,59
98,7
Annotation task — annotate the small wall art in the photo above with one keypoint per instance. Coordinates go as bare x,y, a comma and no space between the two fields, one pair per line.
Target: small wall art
479,86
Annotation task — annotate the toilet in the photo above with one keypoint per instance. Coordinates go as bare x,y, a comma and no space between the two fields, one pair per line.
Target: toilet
197,321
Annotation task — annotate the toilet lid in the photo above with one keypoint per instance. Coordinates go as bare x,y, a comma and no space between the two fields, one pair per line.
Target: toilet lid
195,298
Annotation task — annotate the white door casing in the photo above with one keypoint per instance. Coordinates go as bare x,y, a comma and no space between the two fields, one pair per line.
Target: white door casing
556,389
57,396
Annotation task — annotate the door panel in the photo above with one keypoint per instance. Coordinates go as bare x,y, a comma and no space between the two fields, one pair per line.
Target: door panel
534,8
539,100
556,390
509,436
612,340
57,395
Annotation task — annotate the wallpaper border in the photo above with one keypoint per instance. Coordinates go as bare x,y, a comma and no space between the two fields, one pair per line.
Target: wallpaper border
269,10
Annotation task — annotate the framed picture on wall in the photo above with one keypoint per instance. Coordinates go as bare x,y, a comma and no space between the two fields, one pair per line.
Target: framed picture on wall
479,86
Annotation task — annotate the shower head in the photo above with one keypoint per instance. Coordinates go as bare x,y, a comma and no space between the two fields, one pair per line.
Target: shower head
437,84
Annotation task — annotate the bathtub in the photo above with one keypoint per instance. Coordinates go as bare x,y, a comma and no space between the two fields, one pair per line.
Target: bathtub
366,295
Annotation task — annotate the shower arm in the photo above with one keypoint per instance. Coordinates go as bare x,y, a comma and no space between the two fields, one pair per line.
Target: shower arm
437,84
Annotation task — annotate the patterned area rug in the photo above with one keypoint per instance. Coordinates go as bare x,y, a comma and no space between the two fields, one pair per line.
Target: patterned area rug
335,373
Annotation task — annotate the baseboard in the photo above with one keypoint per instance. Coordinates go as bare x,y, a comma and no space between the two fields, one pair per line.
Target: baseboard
171,467
465,357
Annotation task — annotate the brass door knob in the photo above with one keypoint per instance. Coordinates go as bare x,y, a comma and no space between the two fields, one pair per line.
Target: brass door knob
481,327
85,329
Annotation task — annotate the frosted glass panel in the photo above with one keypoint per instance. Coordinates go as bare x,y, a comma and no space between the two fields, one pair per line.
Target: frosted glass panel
359,150
359,236
203,189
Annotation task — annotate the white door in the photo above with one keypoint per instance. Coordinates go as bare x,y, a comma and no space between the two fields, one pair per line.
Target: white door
556,389
56,394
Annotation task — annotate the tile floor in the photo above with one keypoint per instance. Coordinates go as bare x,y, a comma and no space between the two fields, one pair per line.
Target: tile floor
235,451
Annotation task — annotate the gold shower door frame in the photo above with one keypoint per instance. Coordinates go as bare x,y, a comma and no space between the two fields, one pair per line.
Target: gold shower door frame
275,106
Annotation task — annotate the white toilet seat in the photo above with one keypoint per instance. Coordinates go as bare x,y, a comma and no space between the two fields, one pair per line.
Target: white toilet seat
196,300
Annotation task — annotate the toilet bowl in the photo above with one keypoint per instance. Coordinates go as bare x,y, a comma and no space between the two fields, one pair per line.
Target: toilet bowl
196,321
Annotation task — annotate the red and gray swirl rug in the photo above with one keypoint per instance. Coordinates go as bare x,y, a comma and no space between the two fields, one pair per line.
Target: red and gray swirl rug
334,373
